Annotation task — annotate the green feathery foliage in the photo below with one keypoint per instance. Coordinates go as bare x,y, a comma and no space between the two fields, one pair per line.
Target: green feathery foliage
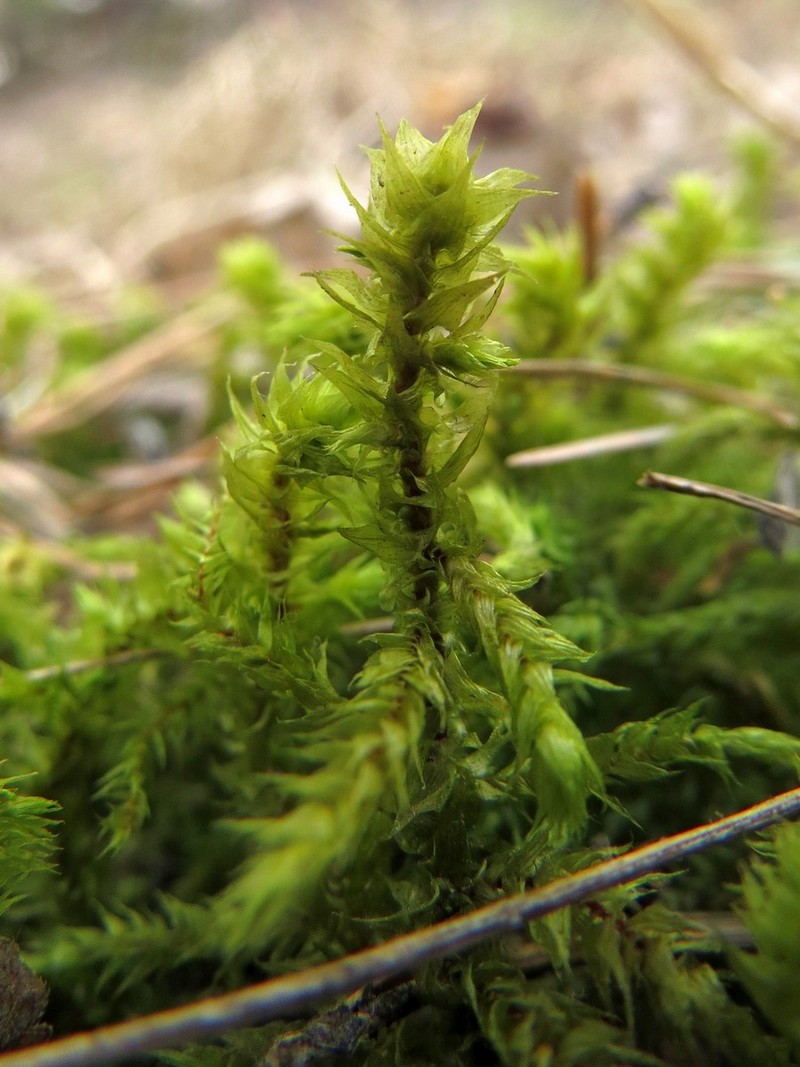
327,707
26,841
769,907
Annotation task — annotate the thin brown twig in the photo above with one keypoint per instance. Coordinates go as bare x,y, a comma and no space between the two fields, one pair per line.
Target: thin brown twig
125,477
32,493
588,447
340,1030
364,627
62,556
749,273
81,666
654,379
127,493
698,40
96,389
588,219
700,931
295,994
656,480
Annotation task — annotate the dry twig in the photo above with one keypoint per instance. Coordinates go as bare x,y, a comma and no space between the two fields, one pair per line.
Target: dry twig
589,221
655,480
587,447
82,666
654,379
295,994
699,41
98,388
341,1030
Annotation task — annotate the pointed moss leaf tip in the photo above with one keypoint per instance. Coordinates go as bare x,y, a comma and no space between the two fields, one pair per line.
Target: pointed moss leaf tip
426,211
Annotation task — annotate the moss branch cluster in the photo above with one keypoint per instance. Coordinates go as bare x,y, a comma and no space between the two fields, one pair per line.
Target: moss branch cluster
245,786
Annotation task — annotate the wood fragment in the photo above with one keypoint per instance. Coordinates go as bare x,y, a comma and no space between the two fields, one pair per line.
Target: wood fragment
589,447
655,379
699,40
689,487
98,388
295,994
83,666
340,1031
589,225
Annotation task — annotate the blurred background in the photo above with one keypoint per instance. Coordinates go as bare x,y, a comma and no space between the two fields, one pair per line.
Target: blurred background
138,138
137,135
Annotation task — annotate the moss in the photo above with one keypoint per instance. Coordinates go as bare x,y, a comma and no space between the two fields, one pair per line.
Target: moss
326,707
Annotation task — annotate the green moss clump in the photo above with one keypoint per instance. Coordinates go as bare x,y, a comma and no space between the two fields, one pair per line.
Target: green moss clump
326,706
